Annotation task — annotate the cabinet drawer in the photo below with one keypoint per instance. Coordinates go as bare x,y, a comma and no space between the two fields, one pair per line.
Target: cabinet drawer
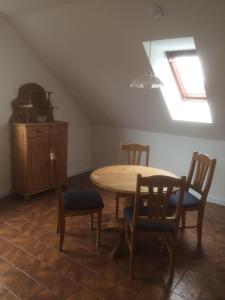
58,129
37,131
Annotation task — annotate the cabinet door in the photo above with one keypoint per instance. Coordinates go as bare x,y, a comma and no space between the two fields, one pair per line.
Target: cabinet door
58,143
38,163
18,156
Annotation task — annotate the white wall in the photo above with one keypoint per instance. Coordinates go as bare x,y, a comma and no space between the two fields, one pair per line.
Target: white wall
169,152
19,65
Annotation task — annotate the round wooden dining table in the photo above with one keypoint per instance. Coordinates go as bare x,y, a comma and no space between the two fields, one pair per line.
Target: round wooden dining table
122,179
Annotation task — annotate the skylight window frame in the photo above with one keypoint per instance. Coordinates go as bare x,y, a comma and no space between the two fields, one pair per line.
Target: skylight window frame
171,55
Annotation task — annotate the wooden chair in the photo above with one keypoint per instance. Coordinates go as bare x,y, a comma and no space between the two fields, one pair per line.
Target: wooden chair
199,180
75,203
154,217
133,154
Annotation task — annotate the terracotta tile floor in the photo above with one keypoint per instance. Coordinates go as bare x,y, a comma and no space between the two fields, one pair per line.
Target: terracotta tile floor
32,268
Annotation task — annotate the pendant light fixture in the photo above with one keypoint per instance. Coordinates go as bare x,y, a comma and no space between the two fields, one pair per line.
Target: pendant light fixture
148,80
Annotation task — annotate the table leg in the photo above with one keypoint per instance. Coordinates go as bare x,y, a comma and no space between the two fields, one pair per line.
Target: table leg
116,252
117,225
117,248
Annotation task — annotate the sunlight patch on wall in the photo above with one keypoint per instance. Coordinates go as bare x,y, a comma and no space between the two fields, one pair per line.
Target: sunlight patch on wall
189,110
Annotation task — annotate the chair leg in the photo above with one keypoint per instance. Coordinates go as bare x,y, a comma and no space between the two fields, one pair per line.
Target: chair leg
62,224
92,221
117,207
98,241
132,249
162,244
126,227
183,219
58,218
199,228
57,230
172,251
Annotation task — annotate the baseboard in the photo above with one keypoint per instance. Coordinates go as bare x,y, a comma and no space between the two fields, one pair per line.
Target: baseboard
216,200
211,199
70,174
5,193
78,171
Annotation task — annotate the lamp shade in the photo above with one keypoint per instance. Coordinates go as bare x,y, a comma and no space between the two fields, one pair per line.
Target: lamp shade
146,81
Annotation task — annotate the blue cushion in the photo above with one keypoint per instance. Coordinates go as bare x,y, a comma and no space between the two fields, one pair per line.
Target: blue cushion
157,227
188,201
82,199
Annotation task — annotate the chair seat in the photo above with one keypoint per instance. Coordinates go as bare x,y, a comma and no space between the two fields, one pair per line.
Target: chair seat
189,200
82,200
160,227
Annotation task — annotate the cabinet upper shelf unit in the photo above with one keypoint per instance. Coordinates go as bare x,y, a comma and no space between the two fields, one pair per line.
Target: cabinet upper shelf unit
33,104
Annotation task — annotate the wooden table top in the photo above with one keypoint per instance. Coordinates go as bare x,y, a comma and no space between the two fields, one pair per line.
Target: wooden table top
123,178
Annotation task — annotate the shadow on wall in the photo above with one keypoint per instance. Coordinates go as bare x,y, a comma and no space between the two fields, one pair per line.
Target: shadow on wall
5,159
107,152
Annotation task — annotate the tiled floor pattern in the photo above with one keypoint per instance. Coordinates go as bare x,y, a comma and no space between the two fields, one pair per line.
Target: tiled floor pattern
32,268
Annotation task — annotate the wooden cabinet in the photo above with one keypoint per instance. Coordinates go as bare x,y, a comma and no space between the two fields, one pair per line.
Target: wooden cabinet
33,134
31,144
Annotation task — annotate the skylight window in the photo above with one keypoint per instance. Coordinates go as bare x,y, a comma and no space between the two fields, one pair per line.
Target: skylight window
188,76
187,71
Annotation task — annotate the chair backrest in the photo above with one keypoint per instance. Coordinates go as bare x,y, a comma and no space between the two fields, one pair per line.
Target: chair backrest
158,189
200,174
134,153
57,185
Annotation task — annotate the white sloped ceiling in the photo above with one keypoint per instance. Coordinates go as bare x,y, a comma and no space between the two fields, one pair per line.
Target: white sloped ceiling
20,7
94,47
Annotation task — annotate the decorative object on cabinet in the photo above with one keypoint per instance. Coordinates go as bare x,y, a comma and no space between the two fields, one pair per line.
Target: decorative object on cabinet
33,134
33,104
